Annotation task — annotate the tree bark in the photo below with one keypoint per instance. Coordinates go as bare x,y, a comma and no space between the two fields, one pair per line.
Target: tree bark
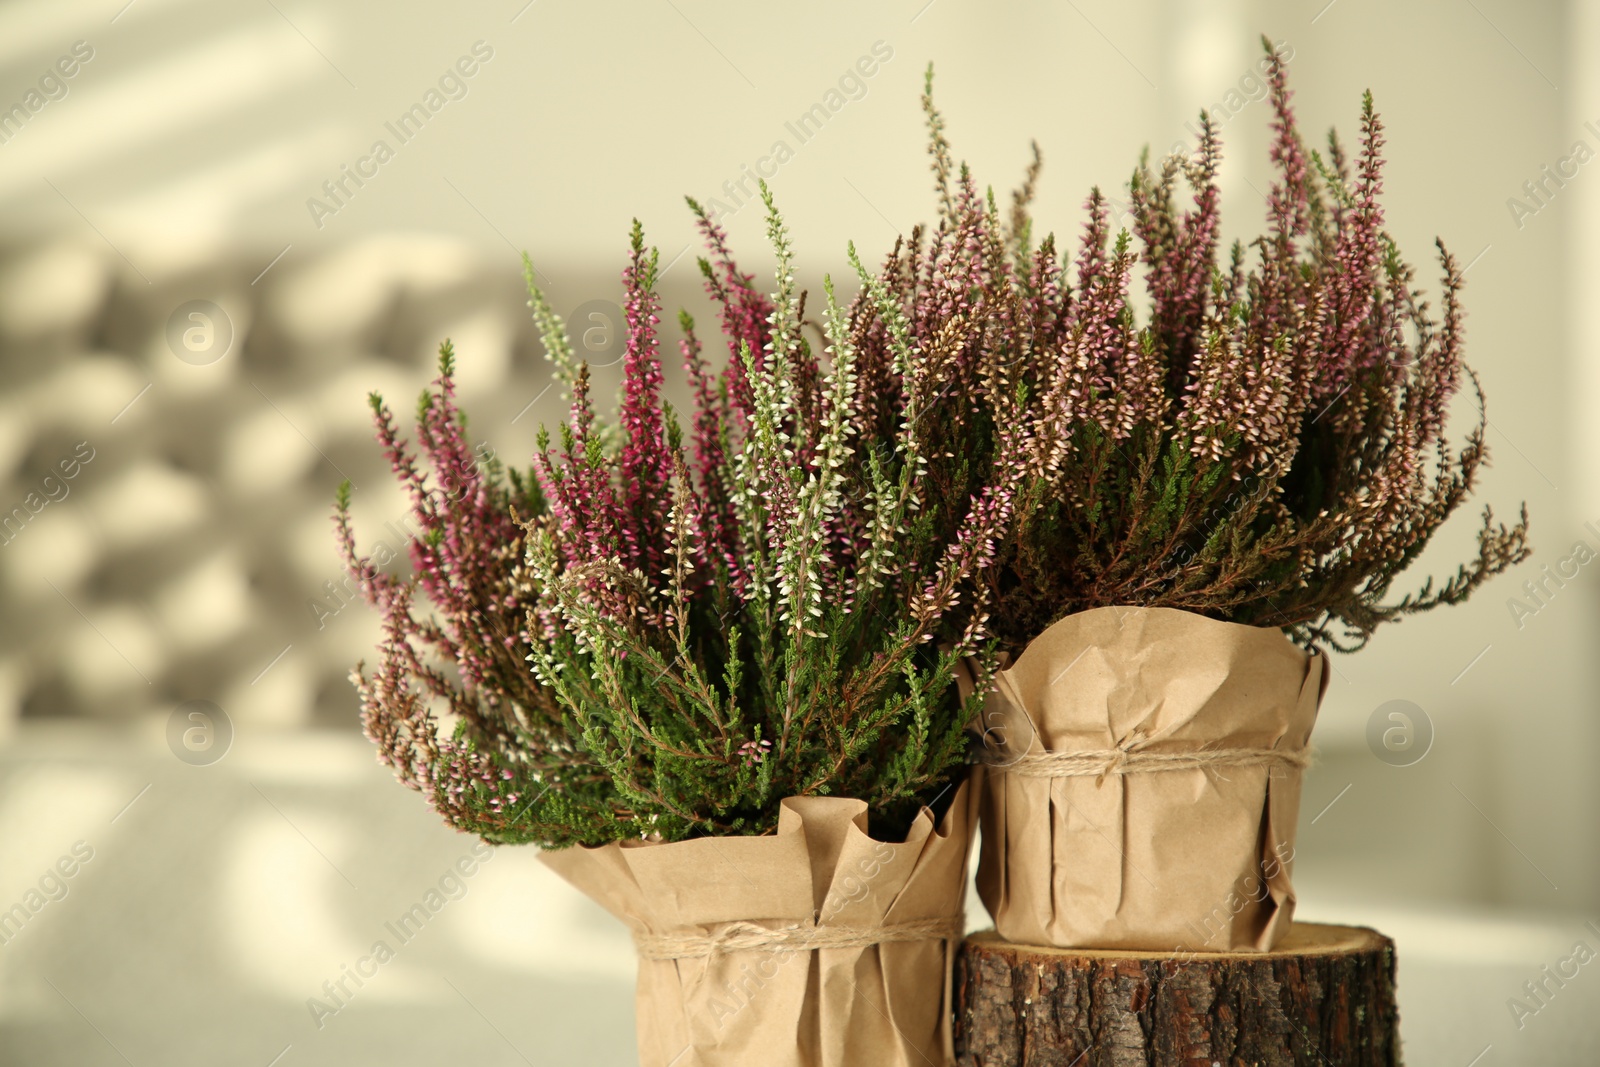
1324,996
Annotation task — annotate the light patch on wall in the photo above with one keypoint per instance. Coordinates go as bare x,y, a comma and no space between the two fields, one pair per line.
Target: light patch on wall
146,502
280,917
206,605
110,655
48,806
274,693
182,220
55,288
264,453
30,27
88,391
521,916
58,546
319,758
171,94
345,292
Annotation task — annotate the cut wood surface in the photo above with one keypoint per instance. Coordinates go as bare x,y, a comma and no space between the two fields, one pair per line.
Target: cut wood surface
1324,996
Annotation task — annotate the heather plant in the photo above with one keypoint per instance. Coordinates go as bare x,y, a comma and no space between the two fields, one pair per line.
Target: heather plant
1265,444
752,614
661,629
715,620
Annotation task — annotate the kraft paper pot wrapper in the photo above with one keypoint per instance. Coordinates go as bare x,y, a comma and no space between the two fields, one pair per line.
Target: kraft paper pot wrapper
817,946
1144,783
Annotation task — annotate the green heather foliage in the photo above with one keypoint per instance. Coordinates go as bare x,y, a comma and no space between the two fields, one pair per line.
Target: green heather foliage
664,628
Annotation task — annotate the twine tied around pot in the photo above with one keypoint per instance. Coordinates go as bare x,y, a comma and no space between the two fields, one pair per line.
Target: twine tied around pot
744,936
1129,758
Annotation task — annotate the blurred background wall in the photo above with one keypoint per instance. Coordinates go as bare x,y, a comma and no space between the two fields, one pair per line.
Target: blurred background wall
225,154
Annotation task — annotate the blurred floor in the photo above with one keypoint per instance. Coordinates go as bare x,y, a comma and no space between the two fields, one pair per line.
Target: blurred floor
219,899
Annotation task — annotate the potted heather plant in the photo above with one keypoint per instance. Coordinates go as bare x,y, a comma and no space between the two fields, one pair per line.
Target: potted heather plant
1207,497
742,625
740,732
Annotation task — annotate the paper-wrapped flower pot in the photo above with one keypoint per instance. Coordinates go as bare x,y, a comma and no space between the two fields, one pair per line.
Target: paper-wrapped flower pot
1144,783
817,946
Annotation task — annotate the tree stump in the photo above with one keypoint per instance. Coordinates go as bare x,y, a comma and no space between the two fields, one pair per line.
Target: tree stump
1324,996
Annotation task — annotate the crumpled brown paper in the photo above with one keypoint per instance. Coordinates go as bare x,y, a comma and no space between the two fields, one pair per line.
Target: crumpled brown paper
1163,858
821,877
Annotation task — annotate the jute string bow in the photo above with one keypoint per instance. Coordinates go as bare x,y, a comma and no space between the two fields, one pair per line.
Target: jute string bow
744,936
